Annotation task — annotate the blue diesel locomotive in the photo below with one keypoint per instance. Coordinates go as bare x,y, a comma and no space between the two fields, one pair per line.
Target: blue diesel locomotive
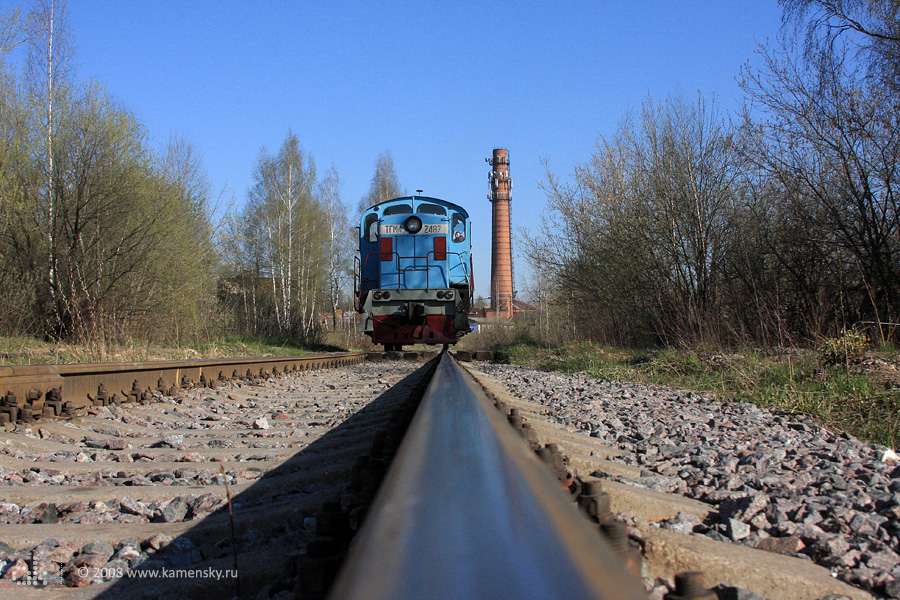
413,275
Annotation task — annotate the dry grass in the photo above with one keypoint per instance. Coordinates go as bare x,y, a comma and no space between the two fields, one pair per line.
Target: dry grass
28,351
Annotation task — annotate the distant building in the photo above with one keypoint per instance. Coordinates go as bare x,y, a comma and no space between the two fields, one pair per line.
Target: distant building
485,315
344,320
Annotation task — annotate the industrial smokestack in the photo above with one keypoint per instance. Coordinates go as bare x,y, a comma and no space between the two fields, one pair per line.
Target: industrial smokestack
501,243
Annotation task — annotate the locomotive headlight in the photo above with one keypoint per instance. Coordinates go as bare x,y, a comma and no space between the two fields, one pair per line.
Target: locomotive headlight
413,225
440,295
386,295
377,295
448,294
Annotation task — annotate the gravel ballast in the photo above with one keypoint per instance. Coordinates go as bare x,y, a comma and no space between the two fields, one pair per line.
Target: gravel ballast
780,482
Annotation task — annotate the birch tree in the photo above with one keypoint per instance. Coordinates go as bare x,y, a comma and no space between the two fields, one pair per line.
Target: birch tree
290,236
385,184
340,241
47,72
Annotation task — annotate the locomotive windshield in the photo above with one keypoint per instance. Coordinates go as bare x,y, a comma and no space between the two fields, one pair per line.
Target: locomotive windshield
398,209
431,209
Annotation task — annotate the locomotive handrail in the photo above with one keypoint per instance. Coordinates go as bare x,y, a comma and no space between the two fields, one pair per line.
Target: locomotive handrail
468,511
396,256
357,283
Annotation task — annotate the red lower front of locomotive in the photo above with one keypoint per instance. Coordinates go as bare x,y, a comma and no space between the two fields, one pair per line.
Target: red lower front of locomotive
429,329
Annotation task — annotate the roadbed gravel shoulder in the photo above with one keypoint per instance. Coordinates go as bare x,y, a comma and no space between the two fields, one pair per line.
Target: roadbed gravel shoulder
678,531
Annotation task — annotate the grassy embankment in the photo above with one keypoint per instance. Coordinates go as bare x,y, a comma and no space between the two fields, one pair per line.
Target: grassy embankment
29,351
860,396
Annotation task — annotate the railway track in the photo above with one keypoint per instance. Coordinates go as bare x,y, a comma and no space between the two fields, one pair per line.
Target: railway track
105,494
33,392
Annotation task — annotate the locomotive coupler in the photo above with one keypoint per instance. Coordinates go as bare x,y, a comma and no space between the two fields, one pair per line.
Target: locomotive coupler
415,310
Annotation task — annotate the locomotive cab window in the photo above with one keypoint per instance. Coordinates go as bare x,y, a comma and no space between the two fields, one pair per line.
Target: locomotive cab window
459,228
431,209
371,228
398,209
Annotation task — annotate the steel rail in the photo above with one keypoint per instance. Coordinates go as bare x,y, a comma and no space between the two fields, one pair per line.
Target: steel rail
467,511
79,382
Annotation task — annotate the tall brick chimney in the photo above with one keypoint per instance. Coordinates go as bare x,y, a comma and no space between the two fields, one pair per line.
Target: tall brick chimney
501,243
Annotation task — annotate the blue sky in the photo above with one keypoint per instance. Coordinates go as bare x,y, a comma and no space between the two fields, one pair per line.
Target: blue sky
439,84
